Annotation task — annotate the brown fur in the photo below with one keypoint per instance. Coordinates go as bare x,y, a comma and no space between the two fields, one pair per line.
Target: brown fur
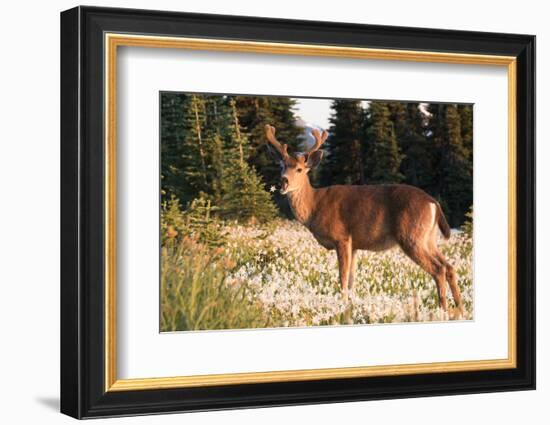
369,217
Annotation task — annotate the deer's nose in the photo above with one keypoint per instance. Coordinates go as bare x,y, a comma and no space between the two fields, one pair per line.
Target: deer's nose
284,182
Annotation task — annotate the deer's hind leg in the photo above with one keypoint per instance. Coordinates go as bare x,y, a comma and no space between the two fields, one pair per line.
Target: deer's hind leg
453,283
429,261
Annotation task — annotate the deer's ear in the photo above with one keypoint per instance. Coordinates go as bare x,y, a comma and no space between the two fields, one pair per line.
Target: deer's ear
274,154
314,158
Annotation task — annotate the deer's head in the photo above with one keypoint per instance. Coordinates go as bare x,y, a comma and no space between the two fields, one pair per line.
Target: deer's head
295,168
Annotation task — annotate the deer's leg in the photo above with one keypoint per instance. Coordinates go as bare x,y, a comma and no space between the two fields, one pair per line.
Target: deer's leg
431,264
453,282
352,269
343,251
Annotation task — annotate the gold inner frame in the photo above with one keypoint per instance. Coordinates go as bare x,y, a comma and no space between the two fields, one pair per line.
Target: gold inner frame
113,41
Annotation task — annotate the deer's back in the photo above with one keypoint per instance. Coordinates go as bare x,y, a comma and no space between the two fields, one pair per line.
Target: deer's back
376,217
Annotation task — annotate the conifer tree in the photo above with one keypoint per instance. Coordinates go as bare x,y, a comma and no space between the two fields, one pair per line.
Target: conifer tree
254,113
171,134
217,132
383,157
284,119
458,188
186,147
344,162
213,148
453,167
467,128
244,197
193,146
416,165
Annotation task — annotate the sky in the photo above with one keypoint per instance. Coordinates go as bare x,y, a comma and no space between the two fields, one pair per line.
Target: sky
315,111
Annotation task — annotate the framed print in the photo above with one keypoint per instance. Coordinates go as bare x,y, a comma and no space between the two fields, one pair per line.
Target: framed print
261,212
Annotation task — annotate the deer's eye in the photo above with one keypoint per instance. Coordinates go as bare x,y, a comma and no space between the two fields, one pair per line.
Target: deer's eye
299,170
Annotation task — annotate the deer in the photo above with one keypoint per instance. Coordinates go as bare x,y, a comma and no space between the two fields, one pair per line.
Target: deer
348,218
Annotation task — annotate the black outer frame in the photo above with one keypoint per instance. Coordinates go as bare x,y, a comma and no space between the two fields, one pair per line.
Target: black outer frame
82,219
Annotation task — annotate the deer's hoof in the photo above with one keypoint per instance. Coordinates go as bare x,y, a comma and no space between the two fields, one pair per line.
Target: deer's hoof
345,296
457,313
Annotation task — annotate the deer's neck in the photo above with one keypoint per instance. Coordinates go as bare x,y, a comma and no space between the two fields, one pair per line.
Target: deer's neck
302,203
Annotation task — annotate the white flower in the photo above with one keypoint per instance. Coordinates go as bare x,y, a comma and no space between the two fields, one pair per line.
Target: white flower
299,284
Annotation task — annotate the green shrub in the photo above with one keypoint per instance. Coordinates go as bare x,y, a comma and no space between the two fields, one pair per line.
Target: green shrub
195,295
468,226
197,222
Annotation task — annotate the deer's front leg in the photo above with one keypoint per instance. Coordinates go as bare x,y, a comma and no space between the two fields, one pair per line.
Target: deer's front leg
344,253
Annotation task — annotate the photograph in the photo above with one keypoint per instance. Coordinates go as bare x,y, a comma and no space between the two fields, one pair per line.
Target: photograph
298,211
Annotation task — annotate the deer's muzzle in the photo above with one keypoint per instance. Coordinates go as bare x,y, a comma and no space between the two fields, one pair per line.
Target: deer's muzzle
284,185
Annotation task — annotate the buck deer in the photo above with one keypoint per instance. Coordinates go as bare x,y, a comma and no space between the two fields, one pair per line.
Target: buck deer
347,218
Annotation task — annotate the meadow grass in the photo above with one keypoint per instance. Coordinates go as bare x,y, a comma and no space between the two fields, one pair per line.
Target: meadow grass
279,276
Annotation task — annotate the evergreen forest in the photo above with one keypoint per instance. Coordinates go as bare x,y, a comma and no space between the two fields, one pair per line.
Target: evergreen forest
213,148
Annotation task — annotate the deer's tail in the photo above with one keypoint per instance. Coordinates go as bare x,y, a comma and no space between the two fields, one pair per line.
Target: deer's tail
442,222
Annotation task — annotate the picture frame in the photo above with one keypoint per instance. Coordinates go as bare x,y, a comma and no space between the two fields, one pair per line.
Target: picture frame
90,40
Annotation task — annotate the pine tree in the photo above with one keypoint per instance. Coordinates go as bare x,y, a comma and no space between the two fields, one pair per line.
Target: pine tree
216,130
204,156
383,157
344,163
416,165
171,135
244,197
254,113
188,149
204,127
194,172
453,166
467,128
458,177
284,119
211,146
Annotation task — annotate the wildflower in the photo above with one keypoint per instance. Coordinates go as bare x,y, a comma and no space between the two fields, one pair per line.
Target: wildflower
171,233
296,282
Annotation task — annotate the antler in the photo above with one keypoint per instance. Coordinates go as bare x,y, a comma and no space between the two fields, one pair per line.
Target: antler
319,140
270,135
